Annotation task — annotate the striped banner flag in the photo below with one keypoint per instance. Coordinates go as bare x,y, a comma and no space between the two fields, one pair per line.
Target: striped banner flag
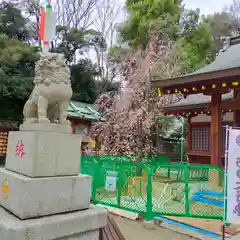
47,28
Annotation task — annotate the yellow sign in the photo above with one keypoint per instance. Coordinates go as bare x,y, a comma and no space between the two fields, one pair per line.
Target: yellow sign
92,144
5,189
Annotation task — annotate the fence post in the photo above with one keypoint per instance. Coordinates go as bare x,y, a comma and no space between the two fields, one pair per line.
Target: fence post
119,184
81,164
186,188
94,188
94,181
149,194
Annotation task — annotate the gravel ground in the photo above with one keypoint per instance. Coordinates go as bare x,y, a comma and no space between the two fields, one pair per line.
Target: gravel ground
133,230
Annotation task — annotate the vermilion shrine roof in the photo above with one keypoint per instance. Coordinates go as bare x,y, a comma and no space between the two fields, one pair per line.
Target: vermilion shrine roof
195,101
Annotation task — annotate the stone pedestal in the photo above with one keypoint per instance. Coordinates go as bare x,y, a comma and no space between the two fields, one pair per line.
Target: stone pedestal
43,154
42,185
35,197
80,225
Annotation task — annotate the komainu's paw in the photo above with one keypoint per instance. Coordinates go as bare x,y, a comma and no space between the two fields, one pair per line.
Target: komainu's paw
64,122
31,120
55,121
43,120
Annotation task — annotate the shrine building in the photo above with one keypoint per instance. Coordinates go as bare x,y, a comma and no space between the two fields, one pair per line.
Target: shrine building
211,101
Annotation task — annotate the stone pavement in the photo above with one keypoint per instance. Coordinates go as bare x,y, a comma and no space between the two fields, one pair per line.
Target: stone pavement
133,230
236,237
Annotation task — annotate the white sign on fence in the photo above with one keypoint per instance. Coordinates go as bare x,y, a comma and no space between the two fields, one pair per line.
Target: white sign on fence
111,181
233,177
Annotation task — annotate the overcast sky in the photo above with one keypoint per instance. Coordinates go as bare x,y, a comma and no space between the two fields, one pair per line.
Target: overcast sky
207,6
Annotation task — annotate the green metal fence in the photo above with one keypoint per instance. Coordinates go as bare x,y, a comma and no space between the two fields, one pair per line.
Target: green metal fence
154,189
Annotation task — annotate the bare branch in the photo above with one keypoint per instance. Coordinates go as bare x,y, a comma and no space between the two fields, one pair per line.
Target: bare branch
107,15
75,13
234,12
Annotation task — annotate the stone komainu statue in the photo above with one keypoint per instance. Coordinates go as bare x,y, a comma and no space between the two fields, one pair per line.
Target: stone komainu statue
52,92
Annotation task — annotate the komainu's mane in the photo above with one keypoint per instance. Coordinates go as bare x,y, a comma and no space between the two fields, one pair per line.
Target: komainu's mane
52,67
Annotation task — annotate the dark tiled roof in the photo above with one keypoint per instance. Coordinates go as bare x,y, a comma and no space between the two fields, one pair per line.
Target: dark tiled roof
9,125
229,57
197,100
226,64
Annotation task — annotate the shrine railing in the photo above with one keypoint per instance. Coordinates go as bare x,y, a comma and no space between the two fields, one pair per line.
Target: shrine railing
153,189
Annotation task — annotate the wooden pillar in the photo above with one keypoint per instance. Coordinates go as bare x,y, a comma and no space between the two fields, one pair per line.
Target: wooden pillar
236,118
73,126
236,113
189,135
216,128
189,138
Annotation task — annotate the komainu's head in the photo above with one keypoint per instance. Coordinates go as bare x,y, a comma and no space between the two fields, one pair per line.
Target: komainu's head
51,67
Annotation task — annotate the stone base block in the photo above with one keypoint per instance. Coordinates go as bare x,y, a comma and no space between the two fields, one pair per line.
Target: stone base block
80,225
46,127
43,154
91,235
32,197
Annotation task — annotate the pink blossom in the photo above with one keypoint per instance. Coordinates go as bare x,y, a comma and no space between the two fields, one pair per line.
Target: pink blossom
129,122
